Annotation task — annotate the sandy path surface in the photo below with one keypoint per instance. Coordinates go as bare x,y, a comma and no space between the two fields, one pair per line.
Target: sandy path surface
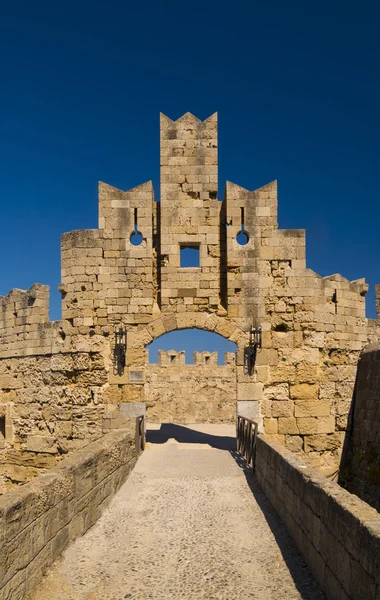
188,524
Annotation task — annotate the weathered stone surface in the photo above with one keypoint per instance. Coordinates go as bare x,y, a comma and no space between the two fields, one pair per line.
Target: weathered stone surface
282,409
294,443
57,379
304,391
40,519
328,524
360,467
270,426
248,409
322,443
288,425
312,408
277,392
185,393
310,425
39,443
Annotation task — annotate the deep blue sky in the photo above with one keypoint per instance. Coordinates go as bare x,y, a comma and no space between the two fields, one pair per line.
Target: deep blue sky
190,340
296,85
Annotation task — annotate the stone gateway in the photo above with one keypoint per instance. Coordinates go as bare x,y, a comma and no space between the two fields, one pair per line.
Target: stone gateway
124,284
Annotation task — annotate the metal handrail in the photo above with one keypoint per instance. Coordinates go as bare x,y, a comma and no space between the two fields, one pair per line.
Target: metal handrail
140,434
247,430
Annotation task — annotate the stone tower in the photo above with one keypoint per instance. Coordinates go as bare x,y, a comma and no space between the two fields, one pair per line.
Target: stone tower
190,211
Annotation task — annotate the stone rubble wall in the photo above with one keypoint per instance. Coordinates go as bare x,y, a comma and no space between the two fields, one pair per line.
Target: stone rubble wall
360,469
175,392
337,533
39,520
51,404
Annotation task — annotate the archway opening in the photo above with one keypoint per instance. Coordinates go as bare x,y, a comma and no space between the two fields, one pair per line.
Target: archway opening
191,378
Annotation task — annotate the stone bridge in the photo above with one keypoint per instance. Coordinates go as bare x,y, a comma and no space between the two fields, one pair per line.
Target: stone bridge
190,521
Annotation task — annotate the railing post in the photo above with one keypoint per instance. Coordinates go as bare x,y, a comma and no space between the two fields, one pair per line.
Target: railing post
247,430
140,434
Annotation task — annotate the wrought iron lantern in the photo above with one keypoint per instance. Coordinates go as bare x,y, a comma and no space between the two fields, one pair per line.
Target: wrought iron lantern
250,351
120,350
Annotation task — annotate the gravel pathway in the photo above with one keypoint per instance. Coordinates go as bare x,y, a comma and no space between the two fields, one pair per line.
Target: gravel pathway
190,523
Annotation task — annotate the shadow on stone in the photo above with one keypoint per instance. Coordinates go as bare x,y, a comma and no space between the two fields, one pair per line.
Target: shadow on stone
302,577
185,435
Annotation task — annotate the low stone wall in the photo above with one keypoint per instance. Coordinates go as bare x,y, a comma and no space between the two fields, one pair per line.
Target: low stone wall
337,533
40,519
360,467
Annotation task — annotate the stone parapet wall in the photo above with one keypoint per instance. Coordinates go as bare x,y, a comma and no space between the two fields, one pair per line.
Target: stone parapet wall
167,358
337,533
190,393
255,214
313,328
360,469
39,520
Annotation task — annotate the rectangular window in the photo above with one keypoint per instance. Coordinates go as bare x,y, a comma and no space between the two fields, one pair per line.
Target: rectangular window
189,256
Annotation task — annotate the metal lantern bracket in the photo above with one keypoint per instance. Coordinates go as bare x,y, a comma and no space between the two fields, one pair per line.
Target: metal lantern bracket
120,350
250,351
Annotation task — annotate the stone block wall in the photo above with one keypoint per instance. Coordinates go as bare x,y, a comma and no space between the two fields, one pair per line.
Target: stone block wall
203,392
24,321
255,214
360,468
105,277
40,519
337,533
313,328
314,331
189,213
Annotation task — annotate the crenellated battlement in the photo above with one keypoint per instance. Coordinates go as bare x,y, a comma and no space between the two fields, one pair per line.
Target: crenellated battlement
188,119
25,328
22,314
21,307
168,358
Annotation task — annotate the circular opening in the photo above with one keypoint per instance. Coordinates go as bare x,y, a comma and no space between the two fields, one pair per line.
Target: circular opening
242,238
136,238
